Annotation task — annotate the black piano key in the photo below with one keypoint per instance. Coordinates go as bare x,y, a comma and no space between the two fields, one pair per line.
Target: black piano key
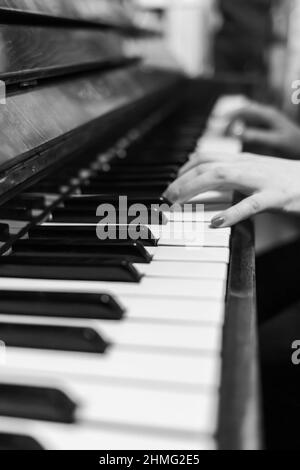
81,232
25,202
99,190
137,169
36,403
92,202
123,174
12,213
148,161
85,269
133,252
179,147
45,186
88,216
133,232
4,232
16,442
52,338
167,158
61,305
119,177
124,187
51,187
32,201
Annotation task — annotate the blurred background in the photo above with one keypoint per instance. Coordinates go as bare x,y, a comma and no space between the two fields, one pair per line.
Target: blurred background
255,40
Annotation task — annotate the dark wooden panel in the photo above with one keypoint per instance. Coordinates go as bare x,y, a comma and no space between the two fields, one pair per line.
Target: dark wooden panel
240,414
99,14
33,123
110,10
34,52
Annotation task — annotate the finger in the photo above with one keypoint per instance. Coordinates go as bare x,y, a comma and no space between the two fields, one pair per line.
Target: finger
203,167
225,176
262,137
255,113
184,190
245,209
208,157
192,177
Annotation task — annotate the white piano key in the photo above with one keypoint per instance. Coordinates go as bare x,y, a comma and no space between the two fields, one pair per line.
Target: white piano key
196,338
189,242
184,216
185,227
187,412
206,227
173,288
83,436
197,242
206,215
119,365
184,270
179,411
190,226
196,238
190,254
180,310
178,234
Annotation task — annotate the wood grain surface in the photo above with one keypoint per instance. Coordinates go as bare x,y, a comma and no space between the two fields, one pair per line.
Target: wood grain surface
29,52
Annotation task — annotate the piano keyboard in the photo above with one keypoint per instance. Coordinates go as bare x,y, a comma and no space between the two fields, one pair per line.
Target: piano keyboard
114,344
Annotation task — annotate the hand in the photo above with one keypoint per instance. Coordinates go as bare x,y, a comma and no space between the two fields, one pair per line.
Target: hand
270,184
267,126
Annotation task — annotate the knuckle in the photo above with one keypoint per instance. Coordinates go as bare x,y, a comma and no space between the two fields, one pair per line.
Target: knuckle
221,173
254,205
228,174
246,209
198,170
236,212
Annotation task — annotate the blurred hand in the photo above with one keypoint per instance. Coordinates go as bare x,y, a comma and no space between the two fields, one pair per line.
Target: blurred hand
270,184
267,126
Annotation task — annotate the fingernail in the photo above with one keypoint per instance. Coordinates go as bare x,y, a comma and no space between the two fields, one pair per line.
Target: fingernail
218,222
